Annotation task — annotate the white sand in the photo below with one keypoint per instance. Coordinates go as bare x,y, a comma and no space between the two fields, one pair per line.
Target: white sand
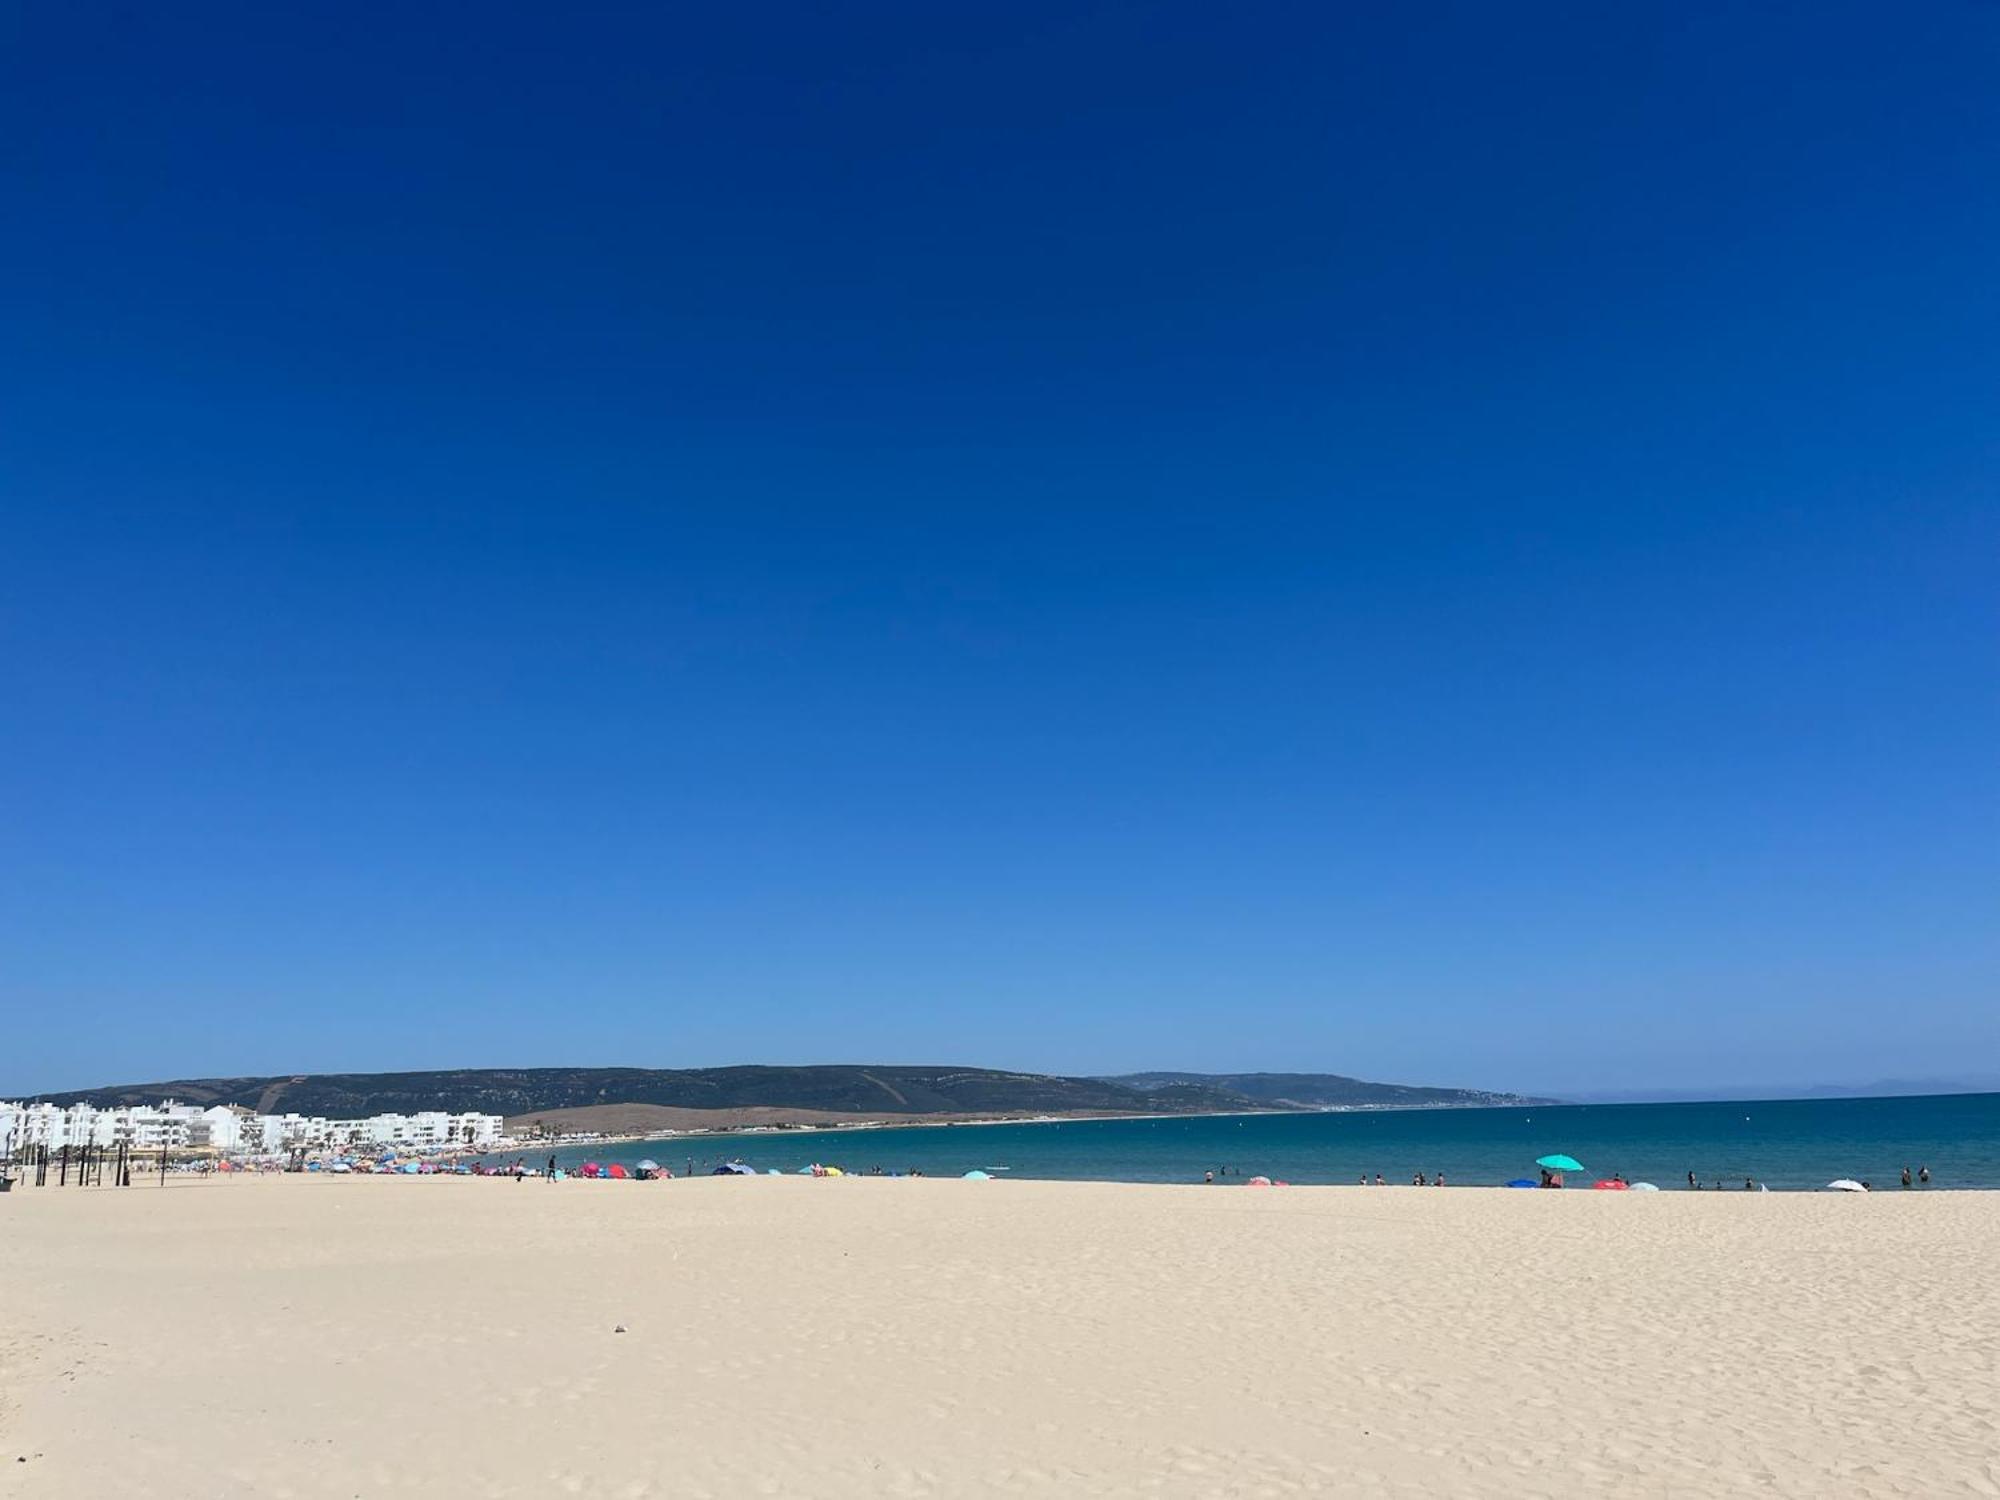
793,1337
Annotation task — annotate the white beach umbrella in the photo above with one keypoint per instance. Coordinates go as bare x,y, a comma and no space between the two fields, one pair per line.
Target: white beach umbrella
1845,1185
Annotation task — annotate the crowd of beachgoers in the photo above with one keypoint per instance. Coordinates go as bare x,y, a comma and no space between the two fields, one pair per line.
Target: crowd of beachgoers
1553,1172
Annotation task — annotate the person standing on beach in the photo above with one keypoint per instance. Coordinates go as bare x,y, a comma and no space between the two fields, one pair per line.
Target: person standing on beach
552,1169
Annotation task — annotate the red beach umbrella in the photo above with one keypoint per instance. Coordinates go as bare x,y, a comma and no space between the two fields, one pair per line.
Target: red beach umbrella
616,1169
1611,1185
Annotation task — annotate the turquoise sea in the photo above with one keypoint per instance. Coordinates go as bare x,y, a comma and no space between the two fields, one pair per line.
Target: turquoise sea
1788,1144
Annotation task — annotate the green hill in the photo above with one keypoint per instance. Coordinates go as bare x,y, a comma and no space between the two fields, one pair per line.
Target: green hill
836,1087
1318,1090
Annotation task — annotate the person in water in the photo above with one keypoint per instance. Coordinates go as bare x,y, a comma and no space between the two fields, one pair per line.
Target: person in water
1906,1176
1924,1176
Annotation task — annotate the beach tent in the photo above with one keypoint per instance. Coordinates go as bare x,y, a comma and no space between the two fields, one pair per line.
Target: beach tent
1523,1182
978,1176
1559,1163
617,1169
1611,1185
1846,1185
561,1175
409,1168
1645,1187
1259,1182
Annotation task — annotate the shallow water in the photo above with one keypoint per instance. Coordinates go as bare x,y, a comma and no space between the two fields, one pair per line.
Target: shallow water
1786,1144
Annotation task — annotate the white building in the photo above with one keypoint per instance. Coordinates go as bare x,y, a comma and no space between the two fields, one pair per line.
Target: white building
227,1129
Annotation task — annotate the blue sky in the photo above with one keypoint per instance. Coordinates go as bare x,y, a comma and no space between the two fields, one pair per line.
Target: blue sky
1447,544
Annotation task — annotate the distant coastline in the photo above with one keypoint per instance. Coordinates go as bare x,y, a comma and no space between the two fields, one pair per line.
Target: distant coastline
678,1098
1786,1145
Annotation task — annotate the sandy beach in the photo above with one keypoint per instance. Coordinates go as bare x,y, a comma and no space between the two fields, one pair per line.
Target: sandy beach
314,1337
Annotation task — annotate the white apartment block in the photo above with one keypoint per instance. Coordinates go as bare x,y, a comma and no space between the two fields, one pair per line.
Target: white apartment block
233,1131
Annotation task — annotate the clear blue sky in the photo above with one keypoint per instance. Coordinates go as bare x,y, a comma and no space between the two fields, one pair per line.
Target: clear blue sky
1448,543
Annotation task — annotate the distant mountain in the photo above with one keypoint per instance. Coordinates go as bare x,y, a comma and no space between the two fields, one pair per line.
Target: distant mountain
1318,1090
840,1088
844,1088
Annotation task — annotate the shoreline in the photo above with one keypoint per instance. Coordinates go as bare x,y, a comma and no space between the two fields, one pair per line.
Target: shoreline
914,1122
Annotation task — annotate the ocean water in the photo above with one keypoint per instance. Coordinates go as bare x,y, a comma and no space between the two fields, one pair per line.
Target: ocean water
1787,1144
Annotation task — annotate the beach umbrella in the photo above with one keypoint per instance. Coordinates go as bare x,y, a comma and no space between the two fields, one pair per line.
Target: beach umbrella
1645,1187
1560,1163
617,1169
1611,1185
1523,1182
978,1176
647,1164
772,1172
1846,1185
835,1172
588,1169
1259,1182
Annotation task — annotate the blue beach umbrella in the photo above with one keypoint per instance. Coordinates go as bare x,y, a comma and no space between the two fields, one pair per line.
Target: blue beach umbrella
1560,1163
1523,1182
977,1176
